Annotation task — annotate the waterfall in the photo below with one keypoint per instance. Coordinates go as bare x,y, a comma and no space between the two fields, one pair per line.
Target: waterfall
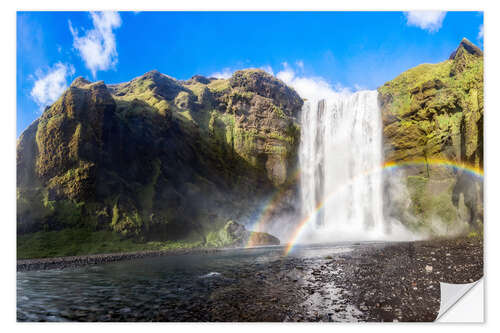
340,158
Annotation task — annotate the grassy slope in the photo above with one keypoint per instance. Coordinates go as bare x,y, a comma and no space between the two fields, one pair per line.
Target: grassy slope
460,84
71,242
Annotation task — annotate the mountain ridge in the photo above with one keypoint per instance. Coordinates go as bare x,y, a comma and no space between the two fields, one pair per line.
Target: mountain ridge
111,156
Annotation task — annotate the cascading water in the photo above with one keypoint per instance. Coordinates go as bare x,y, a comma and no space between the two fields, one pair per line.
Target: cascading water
340,157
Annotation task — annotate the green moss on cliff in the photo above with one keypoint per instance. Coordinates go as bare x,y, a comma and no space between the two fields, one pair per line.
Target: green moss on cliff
127,223
197,89
435,111
400,88
441,94
429,205
156,90
417,185
220,85
147,192
404,89
32,209
150,158
245,141
277,110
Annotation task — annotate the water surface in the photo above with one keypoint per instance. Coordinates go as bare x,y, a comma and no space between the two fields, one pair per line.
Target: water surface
144,287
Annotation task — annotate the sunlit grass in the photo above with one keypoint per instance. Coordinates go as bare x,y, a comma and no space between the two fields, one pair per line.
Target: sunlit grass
73,242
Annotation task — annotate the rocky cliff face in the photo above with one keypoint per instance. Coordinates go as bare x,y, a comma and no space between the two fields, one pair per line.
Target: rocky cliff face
158,158
432,116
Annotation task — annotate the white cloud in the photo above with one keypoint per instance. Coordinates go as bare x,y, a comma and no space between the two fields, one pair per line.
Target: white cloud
50,85
480,35
427,20
287,74
97,46
311,88
226,73
267,69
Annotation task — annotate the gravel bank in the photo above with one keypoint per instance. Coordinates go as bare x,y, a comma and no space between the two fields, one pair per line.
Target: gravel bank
98,259
400,282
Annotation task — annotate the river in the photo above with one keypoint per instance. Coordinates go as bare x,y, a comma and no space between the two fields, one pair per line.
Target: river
187,287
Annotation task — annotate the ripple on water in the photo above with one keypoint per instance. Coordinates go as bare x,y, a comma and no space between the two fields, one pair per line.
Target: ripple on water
211,275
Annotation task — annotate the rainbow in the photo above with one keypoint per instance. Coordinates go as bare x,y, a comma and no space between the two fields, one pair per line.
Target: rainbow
320,206
387,166
301,227
470,169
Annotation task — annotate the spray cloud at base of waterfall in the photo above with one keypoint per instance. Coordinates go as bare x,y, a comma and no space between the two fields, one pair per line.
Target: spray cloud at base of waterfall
398,202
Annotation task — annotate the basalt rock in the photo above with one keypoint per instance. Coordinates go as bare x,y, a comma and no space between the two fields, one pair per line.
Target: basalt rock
158,158
234,234
433,114
466,46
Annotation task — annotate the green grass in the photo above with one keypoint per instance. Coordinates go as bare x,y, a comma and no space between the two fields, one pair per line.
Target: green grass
72,242
197,88
219,85
416,76
466,85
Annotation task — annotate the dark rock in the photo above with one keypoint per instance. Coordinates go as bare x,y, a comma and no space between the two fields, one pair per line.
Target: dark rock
467,46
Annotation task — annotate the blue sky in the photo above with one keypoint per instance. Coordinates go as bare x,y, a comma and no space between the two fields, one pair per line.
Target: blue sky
354,50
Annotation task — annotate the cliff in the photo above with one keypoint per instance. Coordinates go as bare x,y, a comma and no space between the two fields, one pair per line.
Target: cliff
433,126
158,158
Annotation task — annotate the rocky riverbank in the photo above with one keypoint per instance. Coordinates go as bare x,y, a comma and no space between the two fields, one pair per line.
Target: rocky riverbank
99,259
351,282
400,282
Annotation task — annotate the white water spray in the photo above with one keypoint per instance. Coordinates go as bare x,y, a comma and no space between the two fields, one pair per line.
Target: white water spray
340,157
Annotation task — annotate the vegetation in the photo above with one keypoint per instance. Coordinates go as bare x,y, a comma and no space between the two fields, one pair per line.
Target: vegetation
83,241
402,86
218,86
86,241
435,112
